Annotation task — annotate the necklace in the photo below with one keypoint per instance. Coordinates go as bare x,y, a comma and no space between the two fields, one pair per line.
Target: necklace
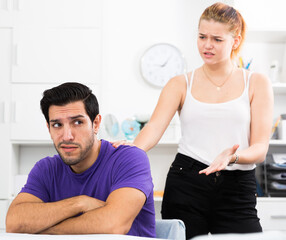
218,87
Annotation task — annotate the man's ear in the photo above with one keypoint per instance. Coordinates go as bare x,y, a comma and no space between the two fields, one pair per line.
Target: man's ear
96,123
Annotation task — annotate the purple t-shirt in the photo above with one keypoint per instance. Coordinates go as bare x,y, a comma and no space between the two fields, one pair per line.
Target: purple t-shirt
52,180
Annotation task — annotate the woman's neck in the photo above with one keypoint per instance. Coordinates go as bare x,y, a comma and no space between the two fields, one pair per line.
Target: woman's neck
219,69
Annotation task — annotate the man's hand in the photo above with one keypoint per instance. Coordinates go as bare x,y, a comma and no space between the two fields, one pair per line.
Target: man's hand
89,203
221,161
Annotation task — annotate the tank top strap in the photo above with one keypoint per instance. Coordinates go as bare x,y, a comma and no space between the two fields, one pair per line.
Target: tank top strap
191,80
248,79
187,80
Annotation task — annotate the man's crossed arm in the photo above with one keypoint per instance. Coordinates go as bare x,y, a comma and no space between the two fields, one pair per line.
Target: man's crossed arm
29,214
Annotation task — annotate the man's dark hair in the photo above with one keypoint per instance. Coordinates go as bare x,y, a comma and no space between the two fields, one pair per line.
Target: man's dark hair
68,93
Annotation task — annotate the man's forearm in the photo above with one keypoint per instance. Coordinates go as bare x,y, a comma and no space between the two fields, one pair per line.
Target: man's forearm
98,221
115,217
34,217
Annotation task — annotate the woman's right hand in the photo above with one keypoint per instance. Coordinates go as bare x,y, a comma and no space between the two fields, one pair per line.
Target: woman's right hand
116,144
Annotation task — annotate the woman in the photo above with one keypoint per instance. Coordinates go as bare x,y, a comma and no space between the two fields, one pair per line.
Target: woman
226,119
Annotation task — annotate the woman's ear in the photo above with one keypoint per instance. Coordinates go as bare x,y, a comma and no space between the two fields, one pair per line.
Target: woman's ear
236,43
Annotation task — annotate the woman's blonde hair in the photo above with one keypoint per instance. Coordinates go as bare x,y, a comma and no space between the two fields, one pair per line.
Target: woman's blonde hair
220,12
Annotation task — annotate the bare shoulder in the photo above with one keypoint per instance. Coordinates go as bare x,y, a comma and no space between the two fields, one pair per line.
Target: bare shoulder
259,79
260,86
259,82
177,83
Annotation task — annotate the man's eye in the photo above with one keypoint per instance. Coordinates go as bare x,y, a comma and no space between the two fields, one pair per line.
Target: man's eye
56,125
201,37
78,122
218,40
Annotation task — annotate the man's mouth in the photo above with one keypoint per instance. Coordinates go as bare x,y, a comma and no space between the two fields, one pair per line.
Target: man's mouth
68,147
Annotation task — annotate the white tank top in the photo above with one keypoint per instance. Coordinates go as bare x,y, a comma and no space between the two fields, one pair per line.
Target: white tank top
209,128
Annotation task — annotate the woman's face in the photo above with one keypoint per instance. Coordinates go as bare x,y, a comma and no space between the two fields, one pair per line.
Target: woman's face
215,42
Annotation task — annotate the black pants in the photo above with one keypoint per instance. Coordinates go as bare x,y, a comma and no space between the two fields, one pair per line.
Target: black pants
222,202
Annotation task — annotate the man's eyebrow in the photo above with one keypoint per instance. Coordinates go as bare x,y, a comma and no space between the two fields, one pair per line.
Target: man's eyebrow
77,116
72,118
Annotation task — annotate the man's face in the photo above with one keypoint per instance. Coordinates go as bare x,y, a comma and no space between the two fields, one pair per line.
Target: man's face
72,132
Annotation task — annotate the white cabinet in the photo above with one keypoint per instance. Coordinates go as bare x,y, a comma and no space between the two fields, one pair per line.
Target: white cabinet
6,149
53,55
272,213
3,211
28,122
60,13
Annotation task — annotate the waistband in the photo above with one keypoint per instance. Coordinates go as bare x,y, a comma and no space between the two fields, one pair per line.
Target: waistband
193,163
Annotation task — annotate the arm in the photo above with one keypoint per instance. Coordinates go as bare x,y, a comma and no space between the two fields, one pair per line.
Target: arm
29,214
171,99
116,217
261,102
261,121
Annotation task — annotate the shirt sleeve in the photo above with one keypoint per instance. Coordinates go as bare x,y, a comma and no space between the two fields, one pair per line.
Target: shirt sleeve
132,169
37,181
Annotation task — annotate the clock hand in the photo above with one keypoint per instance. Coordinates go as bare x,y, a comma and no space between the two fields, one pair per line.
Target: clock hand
164,64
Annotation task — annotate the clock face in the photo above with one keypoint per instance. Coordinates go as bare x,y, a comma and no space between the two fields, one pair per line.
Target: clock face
160,63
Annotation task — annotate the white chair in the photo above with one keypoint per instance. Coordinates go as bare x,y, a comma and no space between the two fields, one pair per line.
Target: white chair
170,229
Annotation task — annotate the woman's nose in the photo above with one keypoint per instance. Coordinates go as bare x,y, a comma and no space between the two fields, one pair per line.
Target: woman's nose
208,44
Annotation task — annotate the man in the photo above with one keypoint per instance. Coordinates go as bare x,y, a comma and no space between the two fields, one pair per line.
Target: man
89,187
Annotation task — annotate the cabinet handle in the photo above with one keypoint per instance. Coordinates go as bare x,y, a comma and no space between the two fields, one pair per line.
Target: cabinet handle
4,112
278,216
15,55
16,5
13,112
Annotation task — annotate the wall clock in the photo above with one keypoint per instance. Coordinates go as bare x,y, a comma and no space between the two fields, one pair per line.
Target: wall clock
160,63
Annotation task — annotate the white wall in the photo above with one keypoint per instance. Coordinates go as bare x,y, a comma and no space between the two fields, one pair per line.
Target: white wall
129,28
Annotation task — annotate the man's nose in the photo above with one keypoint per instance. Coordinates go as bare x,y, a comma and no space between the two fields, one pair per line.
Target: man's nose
67,135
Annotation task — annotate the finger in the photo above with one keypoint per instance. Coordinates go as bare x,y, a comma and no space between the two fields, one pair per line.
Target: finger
203,171
234,148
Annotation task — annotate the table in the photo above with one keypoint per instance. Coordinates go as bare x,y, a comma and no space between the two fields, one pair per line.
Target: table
18,236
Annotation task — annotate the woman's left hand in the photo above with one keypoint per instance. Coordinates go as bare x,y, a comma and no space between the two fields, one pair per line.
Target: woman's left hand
221,161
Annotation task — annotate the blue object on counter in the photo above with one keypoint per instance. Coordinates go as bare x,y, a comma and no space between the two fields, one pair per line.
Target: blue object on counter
130,128
248,64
